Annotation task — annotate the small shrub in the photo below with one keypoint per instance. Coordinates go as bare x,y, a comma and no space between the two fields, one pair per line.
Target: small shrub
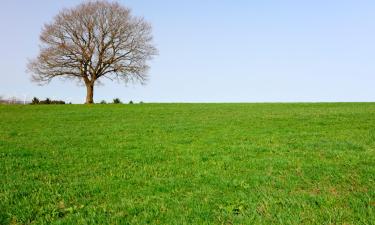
35,101
45,102
117,101
51,102
103,102
57,102
131,102
141,102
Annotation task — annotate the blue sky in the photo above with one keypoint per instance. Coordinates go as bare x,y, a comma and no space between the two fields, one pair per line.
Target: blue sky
219,51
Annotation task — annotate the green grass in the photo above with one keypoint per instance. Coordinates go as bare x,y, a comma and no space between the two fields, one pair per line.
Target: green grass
188,164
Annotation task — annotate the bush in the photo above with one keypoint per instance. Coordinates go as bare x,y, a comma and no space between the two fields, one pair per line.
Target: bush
57,102
131,102
35,101
45,102
103,102
50,102
117,101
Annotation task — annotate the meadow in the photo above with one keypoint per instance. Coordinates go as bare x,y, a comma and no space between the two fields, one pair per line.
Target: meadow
188,164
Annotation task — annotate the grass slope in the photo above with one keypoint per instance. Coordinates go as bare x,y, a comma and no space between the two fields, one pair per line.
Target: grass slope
188,163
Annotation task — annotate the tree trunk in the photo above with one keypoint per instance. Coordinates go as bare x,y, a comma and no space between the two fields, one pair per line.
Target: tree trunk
90,94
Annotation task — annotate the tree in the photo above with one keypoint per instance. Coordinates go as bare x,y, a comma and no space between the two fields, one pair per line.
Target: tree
117,101
96,39
35,101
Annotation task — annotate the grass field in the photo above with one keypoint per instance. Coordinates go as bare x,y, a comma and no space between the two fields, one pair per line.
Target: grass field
188,164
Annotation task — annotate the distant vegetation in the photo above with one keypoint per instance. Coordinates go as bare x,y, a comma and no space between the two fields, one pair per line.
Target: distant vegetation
47,101
117,101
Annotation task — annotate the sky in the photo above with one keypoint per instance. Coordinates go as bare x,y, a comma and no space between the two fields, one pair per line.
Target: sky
218,51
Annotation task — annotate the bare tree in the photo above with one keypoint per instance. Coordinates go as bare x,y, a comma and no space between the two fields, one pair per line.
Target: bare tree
96,39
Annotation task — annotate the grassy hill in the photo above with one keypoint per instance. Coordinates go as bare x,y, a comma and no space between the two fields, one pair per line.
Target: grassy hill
188,163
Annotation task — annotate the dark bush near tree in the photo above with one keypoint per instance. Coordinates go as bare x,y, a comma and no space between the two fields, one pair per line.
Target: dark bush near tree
58,102
48,101
117,101
103,102
35,101
45,102
131,102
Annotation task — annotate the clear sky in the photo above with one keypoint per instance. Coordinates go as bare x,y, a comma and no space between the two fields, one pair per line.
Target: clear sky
219,51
